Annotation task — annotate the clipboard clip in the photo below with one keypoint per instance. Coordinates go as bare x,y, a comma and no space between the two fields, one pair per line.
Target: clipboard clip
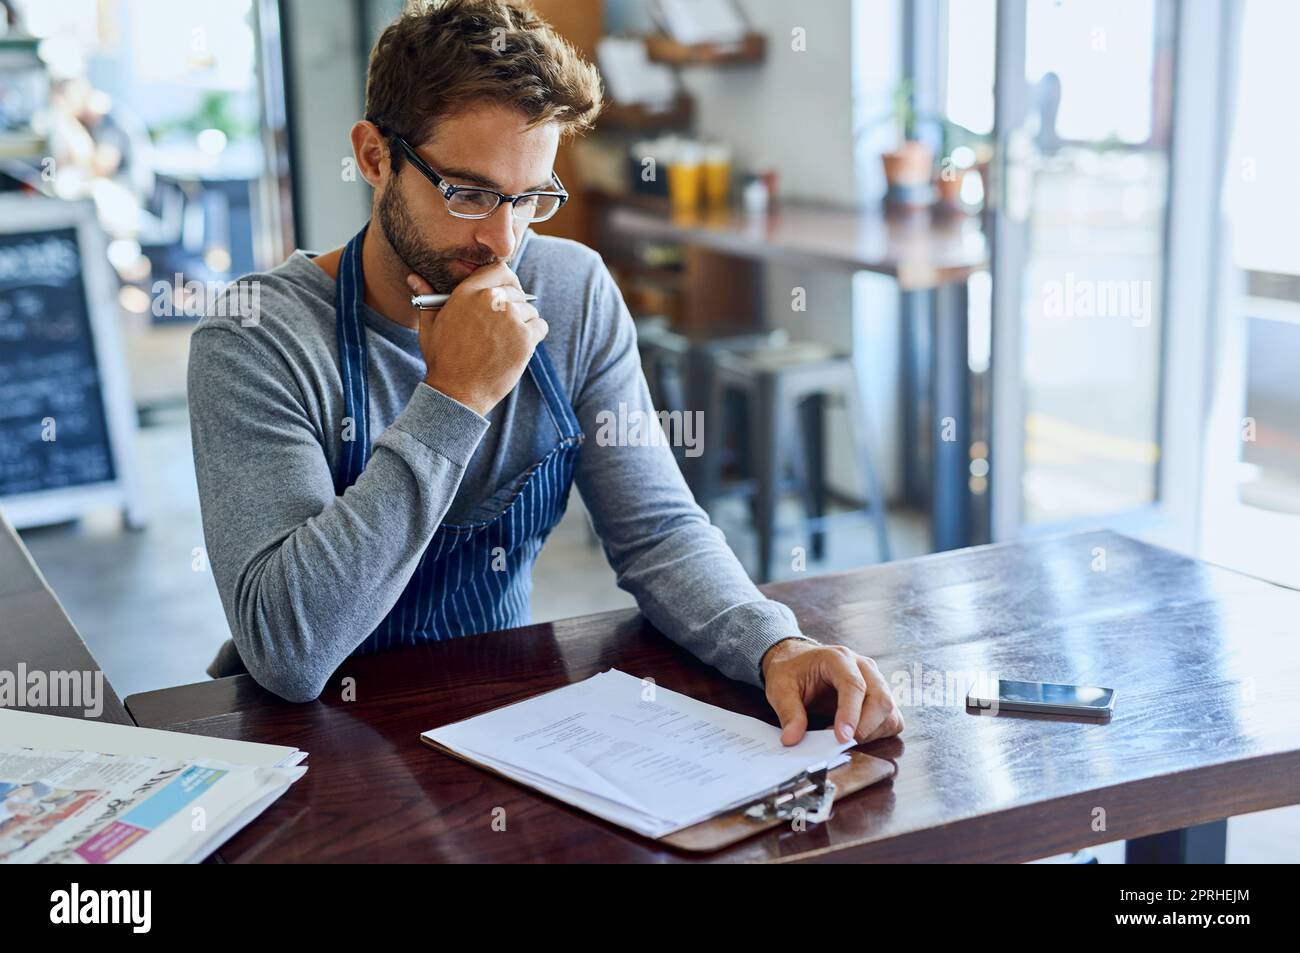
809,791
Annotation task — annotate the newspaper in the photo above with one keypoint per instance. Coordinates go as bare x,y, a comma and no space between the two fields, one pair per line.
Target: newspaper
34,730
78,807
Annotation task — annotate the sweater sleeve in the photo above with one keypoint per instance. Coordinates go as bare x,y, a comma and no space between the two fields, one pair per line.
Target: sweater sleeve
660,543
304,575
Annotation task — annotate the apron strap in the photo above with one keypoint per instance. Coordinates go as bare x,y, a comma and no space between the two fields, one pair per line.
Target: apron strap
544,375
542,370
354,358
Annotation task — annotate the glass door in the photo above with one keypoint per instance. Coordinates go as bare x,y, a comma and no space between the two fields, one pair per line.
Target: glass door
1086,356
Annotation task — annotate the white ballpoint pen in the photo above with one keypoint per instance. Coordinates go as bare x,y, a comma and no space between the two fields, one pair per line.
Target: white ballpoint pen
434,302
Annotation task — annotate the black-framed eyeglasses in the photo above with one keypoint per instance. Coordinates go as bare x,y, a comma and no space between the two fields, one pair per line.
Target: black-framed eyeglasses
473,201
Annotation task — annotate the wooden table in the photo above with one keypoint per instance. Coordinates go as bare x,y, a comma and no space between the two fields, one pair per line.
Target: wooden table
1204,662
919,251
37,634
930,257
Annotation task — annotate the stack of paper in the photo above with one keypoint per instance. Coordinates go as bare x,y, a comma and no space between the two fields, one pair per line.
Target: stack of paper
636,754
75,791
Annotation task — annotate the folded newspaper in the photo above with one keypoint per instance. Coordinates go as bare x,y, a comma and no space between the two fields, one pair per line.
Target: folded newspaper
121,805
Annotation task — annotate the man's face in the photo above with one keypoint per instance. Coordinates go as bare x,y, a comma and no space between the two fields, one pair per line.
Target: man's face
489,146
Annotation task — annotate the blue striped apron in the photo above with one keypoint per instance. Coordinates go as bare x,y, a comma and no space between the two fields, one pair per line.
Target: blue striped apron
473,577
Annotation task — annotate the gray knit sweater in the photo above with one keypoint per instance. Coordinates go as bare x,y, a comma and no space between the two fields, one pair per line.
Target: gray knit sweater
305,575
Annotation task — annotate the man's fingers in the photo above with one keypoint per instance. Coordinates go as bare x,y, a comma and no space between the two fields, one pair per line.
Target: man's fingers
521,311
787,704
418,285
497,278
505,298
879,704
864,708
497,274
850,691
893,725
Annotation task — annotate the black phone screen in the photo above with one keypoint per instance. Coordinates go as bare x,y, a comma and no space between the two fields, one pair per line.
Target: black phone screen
1079,696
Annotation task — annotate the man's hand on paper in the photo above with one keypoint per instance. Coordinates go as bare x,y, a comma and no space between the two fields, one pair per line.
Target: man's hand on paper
800,675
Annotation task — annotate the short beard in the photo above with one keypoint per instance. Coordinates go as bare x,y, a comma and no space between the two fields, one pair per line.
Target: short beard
403,238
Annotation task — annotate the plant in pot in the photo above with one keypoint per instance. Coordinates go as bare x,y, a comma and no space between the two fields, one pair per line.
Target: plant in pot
908,166
961,152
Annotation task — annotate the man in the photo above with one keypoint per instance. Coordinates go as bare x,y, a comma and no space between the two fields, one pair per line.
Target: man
372,474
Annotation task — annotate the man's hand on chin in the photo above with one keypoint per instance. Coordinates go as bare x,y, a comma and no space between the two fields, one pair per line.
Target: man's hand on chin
800,674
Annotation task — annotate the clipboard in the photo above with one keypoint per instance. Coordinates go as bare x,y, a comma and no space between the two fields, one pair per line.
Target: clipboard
775,808
770,810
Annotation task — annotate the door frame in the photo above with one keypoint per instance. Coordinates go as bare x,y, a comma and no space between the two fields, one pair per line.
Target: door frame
1205,39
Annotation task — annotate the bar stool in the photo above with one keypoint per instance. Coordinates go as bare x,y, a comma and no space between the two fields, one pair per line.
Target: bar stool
678,370
665,359
665,356
784,391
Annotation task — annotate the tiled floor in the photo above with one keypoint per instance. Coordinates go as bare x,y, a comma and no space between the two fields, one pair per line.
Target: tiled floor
149,611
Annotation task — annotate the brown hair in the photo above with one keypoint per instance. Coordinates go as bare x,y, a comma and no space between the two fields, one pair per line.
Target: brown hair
438,57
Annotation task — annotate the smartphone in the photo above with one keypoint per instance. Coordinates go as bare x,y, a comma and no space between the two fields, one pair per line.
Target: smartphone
999,694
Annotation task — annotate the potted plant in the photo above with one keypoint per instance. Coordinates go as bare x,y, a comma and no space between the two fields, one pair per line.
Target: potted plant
963,152
908,166
956,161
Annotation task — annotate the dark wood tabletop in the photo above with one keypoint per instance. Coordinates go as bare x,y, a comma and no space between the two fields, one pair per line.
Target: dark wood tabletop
36,634
1204,662
917,249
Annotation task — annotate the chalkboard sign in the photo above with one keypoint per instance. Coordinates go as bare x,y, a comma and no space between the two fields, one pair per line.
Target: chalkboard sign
64,413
